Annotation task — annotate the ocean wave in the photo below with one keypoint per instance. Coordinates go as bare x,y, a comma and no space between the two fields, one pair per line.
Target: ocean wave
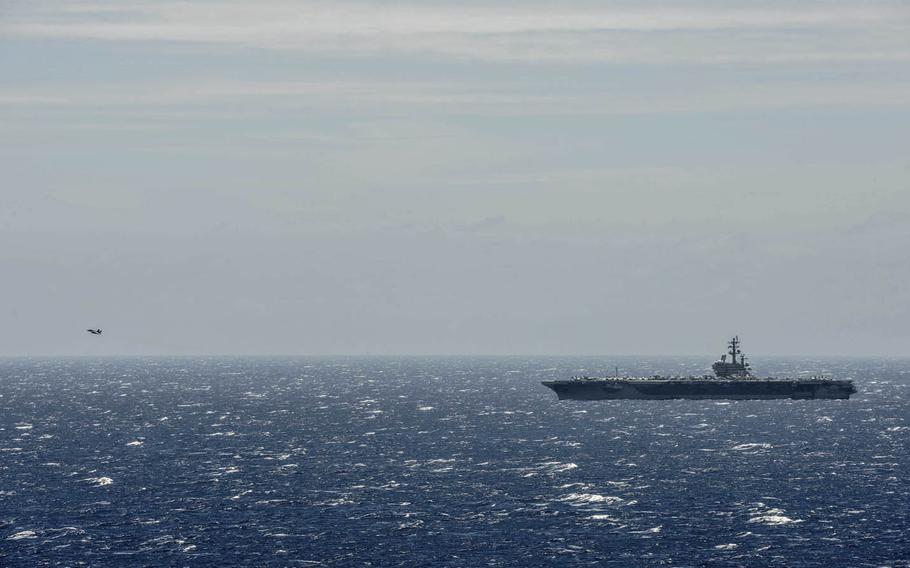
22,535
577,499
602,517
652,530
548,468
751,446
774,520
337,502
570,485
772,516
558,467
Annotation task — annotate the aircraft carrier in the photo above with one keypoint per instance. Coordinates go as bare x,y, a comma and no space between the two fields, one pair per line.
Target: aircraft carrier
732,379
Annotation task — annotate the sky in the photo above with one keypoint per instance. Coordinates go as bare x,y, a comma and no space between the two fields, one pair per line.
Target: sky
440,177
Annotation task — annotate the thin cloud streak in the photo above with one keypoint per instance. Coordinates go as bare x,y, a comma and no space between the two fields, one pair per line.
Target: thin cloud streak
456,97
242,19
617,34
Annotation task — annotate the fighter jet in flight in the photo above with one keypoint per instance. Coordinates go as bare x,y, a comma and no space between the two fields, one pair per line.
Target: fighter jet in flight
94,331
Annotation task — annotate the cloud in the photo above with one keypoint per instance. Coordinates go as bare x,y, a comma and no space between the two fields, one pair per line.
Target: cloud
660,32
490,97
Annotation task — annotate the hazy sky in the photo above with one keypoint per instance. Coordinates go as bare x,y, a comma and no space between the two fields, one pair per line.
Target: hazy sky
386,177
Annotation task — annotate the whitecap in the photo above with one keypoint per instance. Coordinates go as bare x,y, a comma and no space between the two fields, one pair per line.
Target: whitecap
730,546
336,502
558,467
570,485
21,535
587,498
135,443
774,520
751,446
601,518
100,481
271,501
652,530
424,408
417,523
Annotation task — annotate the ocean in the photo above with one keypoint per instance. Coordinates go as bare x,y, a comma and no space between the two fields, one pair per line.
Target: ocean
442,461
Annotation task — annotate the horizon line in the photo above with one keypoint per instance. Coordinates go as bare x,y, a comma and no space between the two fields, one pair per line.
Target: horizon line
430,355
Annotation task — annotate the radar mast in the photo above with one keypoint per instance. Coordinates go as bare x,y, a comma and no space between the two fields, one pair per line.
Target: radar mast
734,347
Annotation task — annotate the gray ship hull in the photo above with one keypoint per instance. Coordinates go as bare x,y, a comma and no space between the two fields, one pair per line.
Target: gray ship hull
699,389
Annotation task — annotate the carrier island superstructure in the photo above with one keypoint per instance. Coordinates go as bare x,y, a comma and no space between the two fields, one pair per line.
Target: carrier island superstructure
732,379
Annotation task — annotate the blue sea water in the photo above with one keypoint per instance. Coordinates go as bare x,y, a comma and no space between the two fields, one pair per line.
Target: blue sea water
441,462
